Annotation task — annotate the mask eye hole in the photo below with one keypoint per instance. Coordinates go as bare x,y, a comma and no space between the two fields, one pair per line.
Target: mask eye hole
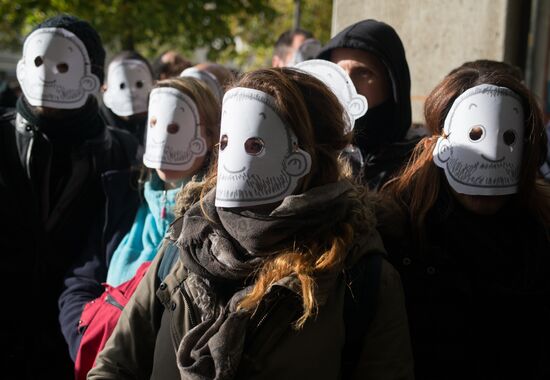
139,84
223,142
153,122
254,146
38,61
476,133
122,86
62,67
509,137
173,128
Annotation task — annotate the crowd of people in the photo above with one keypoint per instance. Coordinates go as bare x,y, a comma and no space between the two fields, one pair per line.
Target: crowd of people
172,220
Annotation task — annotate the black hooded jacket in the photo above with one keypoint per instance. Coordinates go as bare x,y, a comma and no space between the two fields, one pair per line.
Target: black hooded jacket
381,133
53,191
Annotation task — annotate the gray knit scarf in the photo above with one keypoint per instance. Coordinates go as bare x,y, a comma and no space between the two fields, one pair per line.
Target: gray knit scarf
223,247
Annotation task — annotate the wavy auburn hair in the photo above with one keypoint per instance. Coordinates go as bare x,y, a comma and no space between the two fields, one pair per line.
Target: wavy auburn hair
314,114
419,184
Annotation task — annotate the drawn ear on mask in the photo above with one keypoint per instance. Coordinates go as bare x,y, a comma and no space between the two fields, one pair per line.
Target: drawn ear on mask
90,83
443,149
20,70
358,107
198,146
297,164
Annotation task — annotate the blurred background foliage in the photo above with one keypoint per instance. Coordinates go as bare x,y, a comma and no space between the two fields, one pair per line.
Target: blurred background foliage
238,33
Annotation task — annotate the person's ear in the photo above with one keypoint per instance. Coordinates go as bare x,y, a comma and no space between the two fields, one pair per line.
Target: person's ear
103,87
276,61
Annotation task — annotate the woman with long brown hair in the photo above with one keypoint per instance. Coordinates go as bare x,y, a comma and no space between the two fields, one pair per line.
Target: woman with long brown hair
476,273
267,259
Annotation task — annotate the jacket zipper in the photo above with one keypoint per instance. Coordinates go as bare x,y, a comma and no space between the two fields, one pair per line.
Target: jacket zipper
189,305
268,312
28,158
112,301
163,209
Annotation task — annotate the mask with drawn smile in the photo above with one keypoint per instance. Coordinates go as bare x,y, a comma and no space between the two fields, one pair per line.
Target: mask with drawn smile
259,160
55,70
482,145
174,138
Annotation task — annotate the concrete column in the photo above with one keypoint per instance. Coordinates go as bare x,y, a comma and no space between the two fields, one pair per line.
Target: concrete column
440,35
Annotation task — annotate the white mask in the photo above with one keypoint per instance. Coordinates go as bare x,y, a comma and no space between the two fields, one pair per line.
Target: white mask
174,138
55,70
341,85
207,78
128,85
482,145
259,160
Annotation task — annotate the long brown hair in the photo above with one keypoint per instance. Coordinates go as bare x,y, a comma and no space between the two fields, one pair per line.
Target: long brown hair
315,116
419,184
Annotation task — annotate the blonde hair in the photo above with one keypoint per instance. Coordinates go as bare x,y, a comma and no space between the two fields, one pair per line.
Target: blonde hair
315,116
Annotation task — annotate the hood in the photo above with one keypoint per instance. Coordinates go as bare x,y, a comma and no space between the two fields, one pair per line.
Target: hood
380,39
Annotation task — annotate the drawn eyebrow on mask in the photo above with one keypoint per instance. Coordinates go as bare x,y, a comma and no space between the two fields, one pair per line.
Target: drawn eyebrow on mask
262,114
472,105
181,108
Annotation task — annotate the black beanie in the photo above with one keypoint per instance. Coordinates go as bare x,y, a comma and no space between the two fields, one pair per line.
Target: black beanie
87,34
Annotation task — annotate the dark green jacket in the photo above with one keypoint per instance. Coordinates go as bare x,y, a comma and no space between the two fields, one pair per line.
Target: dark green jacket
146,339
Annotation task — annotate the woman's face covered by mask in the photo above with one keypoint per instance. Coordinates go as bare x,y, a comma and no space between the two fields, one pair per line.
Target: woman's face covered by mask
174,137
259,160
482,143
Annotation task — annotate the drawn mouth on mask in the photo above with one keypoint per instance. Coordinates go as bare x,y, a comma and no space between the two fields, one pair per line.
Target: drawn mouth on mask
488,159
161,142
48,82
234,171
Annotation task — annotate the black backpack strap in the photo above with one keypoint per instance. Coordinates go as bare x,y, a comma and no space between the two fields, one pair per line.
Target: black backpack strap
169,259
361,297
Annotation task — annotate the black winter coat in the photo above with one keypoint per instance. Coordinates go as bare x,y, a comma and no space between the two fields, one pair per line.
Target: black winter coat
478,295
51,193
83,282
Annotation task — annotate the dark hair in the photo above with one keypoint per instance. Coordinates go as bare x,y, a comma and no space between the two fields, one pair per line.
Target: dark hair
284,42
85,33
490,66
131,54
165,70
